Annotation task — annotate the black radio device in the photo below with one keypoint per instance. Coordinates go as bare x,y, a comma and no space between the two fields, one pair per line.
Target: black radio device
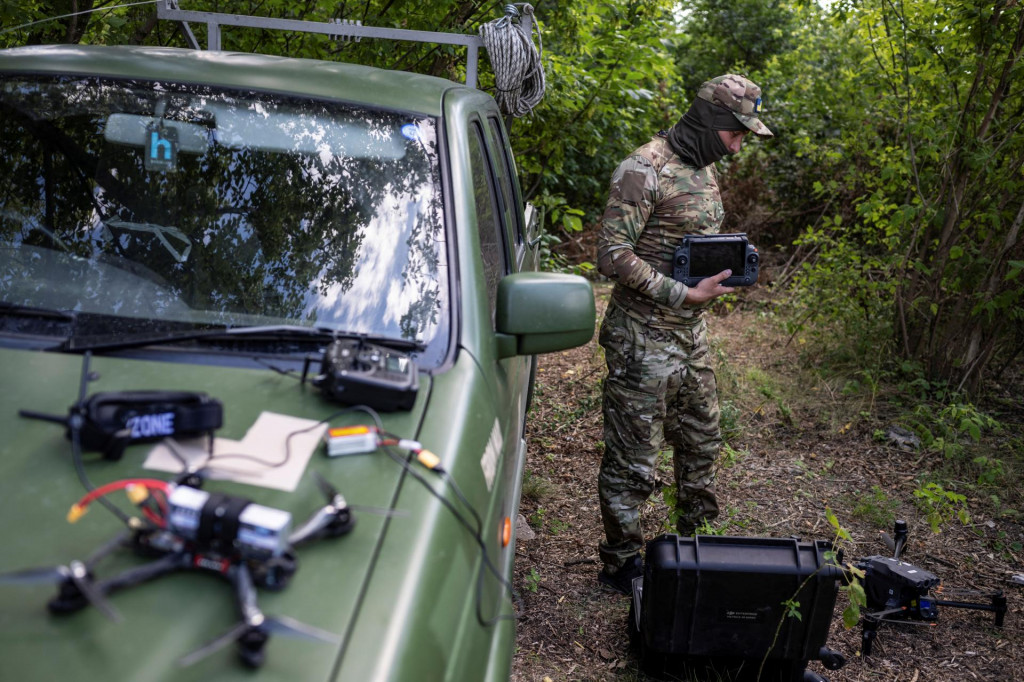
702,256
109,422
357,372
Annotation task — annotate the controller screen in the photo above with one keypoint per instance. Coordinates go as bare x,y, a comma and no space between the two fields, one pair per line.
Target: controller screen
709,258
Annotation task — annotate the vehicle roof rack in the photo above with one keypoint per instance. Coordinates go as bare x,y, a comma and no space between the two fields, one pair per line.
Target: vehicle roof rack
169,10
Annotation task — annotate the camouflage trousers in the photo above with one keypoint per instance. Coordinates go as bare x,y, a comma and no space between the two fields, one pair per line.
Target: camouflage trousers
660,388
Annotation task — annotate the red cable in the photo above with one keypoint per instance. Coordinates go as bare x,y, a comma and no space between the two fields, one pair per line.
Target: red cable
147,483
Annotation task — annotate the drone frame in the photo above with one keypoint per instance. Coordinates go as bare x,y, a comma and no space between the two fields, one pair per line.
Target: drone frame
917,613
77,586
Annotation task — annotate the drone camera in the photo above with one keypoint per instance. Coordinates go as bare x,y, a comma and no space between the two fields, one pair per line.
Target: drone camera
228,524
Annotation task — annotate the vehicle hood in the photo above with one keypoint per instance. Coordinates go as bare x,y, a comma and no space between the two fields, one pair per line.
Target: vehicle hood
176,614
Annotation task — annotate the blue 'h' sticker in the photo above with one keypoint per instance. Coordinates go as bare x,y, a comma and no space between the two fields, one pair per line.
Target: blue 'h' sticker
161,148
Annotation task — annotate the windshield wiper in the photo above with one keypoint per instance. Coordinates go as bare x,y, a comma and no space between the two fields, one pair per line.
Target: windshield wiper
16,309
283,332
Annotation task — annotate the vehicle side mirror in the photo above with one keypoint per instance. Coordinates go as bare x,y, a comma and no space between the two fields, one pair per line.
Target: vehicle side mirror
541,312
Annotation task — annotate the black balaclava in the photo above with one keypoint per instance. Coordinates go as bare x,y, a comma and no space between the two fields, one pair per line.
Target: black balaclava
695,138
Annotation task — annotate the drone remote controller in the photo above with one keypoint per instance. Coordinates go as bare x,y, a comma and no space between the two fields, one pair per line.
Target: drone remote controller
356,372
703,256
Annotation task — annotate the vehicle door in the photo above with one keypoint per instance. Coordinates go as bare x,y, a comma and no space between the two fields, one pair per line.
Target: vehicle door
522,225
504,251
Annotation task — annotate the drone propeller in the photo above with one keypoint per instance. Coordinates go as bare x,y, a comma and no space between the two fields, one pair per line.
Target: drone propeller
255,628
35,576
328,490
214,645
333,519
252,634
76,587
334,497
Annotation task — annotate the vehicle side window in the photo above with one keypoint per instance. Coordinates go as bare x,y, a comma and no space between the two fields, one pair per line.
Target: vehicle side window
513,215
492,246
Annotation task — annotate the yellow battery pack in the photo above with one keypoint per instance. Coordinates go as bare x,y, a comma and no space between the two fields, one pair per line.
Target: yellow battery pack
351,440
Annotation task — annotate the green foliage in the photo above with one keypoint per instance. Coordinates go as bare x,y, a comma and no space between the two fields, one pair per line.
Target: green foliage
731,36
941,506
730,419
853,585
532,579
991,470
948,428
899,129
792,609
876,507
536,487
609,88
564,223
558,526
730,457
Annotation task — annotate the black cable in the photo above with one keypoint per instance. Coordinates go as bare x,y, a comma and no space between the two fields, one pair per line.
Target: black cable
477,536
446,476
75,427
287,442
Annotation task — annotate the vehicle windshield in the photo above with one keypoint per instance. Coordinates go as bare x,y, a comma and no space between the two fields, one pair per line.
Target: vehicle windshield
132,203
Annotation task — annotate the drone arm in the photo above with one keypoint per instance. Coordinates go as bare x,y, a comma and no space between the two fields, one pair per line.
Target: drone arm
998,606
245,591
314,525
333,519
106,549
141,574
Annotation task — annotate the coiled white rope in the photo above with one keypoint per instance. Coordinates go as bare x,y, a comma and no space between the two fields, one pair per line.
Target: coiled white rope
518,73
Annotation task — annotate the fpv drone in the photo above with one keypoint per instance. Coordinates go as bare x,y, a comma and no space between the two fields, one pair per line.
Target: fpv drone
188,528
898,592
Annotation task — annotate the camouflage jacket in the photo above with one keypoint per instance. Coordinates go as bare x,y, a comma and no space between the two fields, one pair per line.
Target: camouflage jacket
654,200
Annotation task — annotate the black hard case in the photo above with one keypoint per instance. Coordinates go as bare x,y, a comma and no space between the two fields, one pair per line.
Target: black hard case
724,600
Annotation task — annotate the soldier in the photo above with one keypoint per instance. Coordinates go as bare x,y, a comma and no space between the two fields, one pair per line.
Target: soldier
660,385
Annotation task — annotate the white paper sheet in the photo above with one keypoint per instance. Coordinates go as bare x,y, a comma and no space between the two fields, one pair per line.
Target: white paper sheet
273,454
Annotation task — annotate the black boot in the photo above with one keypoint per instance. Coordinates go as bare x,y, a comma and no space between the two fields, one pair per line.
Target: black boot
621,580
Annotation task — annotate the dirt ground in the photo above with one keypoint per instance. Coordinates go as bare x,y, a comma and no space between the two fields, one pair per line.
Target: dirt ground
798,444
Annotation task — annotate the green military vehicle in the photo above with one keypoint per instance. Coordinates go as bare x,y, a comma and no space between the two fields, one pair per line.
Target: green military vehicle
280,318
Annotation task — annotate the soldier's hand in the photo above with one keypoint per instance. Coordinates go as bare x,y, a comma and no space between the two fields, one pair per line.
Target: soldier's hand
709,289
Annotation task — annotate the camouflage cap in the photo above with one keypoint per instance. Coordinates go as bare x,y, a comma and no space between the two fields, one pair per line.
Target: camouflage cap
738,95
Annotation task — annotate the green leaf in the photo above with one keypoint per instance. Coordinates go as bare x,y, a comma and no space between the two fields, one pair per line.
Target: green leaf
851,616
571,223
